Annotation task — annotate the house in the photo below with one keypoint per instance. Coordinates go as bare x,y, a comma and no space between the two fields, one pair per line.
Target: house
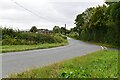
44,31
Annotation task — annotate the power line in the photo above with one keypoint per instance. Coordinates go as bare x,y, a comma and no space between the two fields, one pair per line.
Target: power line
41,17
26,9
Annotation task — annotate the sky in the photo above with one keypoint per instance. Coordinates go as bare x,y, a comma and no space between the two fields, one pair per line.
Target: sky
45,14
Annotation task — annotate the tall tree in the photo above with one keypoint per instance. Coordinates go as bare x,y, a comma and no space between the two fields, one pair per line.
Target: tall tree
62,30
101,24
56,29
33,29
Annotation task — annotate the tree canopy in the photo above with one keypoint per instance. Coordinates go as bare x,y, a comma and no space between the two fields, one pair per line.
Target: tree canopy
100,23
33,29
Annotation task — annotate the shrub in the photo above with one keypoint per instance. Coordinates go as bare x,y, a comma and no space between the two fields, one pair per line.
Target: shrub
74,35
58,39
27,38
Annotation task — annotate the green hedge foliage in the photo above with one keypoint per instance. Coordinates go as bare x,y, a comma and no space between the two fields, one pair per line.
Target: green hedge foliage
100,24
12,37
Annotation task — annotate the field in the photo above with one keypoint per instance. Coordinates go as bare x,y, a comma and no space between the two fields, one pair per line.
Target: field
100,64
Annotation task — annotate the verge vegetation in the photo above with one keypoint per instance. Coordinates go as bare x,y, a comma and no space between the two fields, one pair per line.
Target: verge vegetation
15,40
99,24
100,64
16,48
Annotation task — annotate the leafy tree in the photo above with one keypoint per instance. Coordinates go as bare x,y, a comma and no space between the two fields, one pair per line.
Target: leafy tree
109,2
79,21
56,29
114,23
100,24
82,20
33,29
63,30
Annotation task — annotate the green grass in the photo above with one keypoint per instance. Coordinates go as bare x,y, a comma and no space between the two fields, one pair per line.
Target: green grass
100,64
14,48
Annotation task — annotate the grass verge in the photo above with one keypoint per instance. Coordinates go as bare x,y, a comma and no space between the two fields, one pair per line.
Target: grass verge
15,48
100,64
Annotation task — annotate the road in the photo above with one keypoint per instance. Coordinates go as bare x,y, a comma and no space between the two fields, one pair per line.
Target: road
14,62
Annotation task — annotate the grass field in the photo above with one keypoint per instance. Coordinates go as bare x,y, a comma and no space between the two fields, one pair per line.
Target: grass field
100,64
14,48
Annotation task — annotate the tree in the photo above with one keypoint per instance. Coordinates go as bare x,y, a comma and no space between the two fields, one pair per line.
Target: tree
56,29
100,24
110,2
114,23
82,20
33,29
62,30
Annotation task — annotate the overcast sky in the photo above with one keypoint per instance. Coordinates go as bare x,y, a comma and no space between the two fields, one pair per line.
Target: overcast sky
23,14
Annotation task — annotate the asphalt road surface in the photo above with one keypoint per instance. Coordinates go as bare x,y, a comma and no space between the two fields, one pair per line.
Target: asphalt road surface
14,62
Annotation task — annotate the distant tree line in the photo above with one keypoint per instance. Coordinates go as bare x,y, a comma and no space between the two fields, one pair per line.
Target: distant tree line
99,24
61,30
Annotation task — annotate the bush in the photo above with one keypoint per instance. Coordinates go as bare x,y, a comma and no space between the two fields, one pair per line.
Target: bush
74,35
27,38
7,41
100,24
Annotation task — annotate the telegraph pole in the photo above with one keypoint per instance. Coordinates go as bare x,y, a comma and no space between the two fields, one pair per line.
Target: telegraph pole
65,29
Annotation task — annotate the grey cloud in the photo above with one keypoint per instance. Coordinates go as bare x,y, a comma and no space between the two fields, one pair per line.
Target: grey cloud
47,14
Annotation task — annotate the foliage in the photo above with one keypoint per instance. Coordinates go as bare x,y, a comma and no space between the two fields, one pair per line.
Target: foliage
33,29
12,37
100,24
109,2
14,48
60,30
63,30
0,39
100,64
56,29
74,35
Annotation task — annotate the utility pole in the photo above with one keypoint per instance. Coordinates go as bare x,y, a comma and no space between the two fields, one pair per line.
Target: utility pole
65,29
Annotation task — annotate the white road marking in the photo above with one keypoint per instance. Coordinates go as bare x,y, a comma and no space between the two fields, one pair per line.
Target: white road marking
104,48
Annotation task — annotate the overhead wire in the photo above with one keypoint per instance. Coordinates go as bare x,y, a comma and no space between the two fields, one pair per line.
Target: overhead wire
30,11
26,9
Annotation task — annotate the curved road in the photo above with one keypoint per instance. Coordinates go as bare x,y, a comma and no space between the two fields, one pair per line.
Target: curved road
19,61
